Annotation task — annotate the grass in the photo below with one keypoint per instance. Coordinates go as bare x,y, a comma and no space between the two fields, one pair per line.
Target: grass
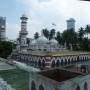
16,78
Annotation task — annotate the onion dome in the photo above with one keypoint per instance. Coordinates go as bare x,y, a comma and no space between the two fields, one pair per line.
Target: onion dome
53,41
33,42
42,39
24,17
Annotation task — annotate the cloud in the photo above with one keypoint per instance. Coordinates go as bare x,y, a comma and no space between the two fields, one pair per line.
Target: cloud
43,12
43,0
12,30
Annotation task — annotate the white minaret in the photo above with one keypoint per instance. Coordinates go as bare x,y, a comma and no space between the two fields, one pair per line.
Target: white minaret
71,24
23,33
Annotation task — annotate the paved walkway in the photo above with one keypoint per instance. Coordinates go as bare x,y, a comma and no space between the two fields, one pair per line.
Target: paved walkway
5,66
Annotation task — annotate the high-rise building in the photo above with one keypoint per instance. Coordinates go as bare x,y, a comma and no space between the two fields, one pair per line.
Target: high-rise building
2,28
71,24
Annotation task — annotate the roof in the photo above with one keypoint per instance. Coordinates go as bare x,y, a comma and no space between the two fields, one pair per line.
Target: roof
56,53
59,75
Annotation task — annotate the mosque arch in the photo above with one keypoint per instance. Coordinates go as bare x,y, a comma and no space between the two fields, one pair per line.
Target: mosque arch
57,63
78,59
41,87
33,86
65,61
62,61
43,63
39,63
78,88
85,86
72,60
53,63
69,61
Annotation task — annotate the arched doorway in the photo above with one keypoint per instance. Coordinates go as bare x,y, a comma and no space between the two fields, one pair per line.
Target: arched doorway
57,63
53,64
33,87
78,88
43,63
62,61
39,63
85,86
41,87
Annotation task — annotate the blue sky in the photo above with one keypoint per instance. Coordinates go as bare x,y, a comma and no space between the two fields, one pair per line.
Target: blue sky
42,13
12,10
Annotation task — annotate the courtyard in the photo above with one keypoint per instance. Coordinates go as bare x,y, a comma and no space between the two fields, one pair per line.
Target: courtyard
18,79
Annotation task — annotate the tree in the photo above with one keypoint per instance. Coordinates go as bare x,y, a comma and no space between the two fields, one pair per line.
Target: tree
6,48
69,37
36,35
46,33
81,33
59,37
52,34
87,29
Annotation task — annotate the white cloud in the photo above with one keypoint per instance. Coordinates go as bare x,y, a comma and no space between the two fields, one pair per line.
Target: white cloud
43,12
12,30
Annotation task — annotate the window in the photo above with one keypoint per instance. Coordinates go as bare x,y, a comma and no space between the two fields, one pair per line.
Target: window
33,86
41,87
78,88
85,86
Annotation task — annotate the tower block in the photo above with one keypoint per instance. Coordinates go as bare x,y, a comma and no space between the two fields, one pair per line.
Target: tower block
23,33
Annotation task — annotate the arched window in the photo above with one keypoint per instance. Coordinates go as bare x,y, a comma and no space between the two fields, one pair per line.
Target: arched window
78,88
33,87
85,86
41,87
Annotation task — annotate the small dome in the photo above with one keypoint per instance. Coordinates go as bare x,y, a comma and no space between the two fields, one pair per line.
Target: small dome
24,15
33,42
53,41
42,40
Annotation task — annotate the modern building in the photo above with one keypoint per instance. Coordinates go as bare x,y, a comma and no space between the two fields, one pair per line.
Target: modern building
2,28
71,24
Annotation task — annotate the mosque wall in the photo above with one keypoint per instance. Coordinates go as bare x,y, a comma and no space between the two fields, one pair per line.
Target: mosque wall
50,61
78,83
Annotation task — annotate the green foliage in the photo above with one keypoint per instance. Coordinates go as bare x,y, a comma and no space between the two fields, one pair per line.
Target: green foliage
59,38
46,33
49,34
70,37
52,34
36,35
6,48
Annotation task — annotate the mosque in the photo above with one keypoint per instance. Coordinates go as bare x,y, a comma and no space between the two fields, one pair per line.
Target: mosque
43,44
42,52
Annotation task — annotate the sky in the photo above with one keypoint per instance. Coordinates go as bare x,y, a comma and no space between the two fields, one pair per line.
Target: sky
42,13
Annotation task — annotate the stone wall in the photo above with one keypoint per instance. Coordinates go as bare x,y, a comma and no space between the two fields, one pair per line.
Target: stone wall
51,61
4,85
82,82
